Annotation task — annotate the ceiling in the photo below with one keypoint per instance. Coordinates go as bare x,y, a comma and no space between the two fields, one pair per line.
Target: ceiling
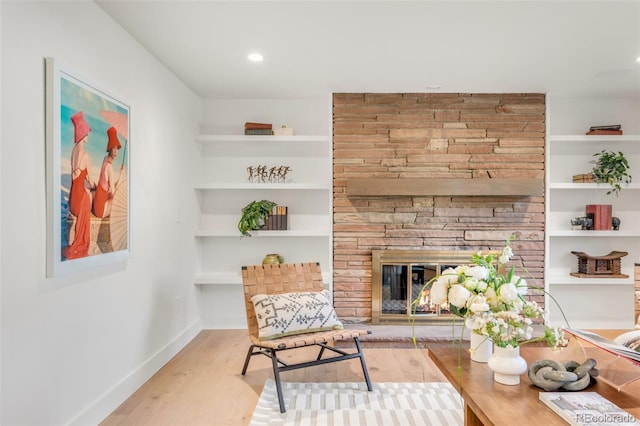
312,48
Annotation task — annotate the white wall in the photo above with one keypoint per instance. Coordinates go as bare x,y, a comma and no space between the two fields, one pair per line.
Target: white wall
74,347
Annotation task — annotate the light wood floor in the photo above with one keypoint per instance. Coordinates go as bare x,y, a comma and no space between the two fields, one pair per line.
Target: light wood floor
202,385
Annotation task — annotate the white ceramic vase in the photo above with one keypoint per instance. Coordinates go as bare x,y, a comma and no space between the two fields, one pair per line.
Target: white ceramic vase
481,347
507,365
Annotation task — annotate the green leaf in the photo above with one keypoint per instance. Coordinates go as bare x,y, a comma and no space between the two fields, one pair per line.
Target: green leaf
612,168
254,215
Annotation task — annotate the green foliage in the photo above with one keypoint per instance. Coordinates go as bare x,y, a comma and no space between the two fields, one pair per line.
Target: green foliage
612,168
254,216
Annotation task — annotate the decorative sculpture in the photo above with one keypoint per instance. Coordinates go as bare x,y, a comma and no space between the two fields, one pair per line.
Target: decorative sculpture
607,266
615,223
551,375
265,173
282,173
586,223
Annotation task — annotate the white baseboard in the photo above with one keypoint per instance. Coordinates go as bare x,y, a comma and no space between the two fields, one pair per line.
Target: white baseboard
111,399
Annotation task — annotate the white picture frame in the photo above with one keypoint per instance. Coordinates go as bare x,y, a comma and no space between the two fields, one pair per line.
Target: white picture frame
86,123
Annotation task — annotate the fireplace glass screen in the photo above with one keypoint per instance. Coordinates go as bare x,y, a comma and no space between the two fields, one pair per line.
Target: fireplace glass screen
396,281
399,277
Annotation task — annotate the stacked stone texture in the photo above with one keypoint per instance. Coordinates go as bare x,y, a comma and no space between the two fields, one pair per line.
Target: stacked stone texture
436,136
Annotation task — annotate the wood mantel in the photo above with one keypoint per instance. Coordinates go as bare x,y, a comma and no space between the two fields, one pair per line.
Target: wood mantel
426,187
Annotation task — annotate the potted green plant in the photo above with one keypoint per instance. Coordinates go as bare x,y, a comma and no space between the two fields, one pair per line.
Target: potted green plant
254,216
613,168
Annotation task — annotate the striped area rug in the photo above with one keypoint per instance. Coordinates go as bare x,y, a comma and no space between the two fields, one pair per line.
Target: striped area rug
348,404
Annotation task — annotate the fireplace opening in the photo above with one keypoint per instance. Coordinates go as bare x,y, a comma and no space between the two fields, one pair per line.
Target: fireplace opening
398,278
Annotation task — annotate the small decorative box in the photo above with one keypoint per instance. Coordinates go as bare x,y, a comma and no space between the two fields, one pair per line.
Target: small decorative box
283,131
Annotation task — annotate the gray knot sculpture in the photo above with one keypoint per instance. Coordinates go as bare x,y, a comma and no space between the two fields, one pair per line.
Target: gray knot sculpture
551,375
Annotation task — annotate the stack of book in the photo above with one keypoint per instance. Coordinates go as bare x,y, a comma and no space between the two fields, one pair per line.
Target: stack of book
613,129
258,129
601,215
583,178
277,219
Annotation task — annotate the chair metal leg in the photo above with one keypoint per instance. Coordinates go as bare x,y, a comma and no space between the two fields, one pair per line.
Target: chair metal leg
277,368
364,364
247,359
276,375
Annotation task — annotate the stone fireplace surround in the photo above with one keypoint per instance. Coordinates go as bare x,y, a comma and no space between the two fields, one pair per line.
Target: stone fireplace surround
439,138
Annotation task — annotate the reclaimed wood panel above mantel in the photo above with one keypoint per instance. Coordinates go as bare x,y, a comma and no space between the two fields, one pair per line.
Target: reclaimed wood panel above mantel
443,187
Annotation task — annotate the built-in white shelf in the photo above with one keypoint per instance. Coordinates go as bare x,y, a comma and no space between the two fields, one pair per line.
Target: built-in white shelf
561,276
261,138
591,186
260,186
204,233
592,234
223,189
581,139
588,302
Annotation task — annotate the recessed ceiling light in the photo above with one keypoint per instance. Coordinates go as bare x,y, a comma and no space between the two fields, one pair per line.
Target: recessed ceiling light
433,87
255,57
638,59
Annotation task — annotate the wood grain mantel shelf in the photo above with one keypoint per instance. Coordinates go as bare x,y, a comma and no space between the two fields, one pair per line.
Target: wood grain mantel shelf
467,187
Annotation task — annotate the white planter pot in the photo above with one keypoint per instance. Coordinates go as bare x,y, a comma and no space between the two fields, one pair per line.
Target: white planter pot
507,365
481,348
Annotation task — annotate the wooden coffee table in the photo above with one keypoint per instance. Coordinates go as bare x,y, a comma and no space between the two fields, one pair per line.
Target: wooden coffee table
489,403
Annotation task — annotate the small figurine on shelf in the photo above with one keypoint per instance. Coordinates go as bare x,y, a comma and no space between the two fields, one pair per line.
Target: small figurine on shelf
272,174
282,173
264,173
582,223
576,223
615,223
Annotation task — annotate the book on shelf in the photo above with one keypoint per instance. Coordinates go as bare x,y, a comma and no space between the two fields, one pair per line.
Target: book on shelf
270,223
604,132
281,213
601,215
626,345
583,178
258,132
607,127
256,126
586,408
277,219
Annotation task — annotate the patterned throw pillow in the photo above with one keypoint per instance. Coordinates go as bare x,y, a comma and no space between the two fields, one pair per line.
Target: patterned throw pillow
287,314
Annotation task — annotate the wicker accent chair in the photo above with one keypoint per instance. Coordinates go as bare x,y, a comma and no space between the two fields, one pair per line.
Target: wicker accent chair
289,278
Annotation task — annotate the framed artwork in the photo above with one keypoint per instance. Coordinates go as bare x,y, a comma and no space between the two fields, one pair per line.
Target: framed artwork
87,174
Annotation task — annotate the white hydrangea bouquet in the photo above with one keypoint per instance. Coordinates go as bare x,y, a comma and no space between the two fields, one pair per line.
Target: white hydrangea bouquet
491,302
